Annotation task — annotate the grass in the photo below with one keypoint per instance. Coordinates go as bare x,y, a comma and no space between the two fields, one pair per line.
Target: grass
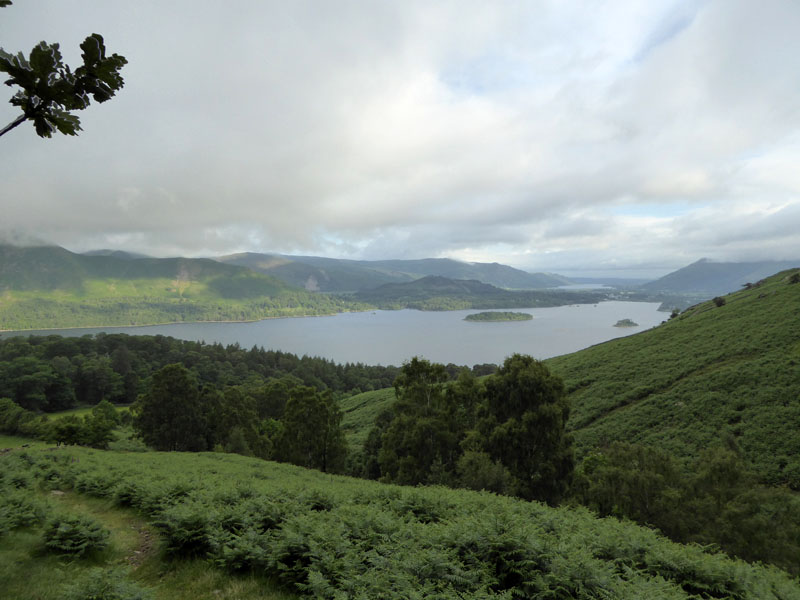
28,571
13,441
359,413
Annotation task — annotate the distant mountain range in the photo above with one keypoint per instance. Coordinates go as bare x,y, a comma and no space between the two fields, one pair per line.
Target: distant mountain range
716,278
316,273
434,292
50,287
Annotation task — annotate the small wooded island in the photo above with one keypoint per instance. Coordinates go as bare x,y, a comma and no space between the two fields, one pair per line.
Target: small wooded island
498,316
626,323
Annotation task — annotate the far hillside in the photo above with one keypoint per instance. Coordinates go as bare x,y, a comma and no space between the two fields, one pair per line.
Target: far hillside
723,372
316,273
51,287
710,278
442,293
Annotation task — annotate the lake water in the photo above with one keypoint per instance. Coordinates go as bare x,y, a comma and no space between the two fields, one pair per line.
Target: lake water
391,337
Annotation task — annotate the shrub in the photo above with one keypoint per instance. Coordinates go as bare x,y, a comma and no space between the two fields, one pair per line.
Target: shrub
186,530
105,584
75,535
19,509
719,301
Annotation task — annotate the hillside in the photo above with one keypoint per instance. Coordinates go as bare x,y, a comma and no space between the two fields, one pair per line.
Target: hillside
494,274
259,525
714,375
710,278
317,273
48,286
442,293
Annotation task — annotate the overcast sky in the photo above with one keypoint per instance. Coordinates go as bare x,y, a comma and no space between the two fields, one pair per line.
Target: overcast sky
553,136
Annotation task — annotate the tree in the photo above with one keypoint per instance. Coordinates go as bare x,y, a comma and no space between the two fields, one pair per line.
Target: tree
422,432
50,90
526,428
311,435
169,415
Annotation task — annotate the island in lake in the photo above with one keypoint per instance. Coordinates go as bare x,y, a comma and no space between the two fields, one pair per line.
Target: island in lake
498,316
626,323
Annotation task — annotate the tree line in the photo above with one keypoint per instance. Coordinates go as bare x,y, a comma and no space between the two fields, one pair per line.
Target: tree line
52,373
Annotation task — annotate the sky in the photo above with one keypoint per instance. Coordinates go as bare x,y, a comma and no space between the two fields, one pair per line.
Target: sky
582,137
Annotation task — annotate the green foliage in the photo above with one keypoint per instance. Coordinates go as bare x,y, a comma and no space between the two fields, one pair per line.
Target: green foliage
105,584
168,416
506,434
442,293
499,316
626,323
525,428
334,537
75,535
19,509
717,503
311,434
421,433
49,90
115,367
702,377
50,287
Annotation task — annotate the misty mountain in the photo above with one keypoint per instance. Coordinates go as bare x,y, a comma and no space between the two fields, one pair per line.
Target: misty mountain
45,287
716,278
434,292
115,253
318,273
55,268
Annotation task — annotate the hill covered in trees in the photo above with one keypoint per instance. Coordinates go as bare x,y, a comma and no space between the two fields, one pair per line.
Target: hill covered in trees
50,287
340,275
442,293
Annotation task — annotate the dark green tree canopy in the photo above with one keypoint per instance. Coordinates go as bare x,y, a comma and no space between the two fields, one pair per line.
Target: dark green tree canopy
49,90
526,428
169,416
507,435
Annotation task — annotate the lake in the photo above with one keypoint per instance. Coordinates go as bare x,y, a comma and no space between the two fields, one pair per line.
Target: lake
391,337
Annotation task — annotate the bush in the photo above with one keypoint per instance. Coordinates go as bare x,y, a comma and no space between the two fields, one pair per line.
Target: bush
105,584
719,301
186,530
19,509
75,535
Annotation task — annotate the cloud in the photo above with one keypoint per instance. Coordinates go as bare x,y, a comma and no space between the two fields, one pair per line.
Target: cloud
543,134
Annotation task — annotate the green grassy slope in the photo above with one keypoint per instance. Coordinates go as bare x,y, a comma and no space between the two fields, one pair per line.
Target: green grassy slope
711,375
359,413
336,537
50,287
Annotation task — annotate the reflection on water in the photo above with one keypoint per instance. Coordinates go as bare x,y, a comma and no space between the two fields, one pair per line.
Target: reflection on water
390,337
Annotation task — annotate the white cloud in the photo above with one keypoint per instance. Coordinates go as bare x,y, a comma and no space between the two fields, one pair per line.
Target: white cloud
496,131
